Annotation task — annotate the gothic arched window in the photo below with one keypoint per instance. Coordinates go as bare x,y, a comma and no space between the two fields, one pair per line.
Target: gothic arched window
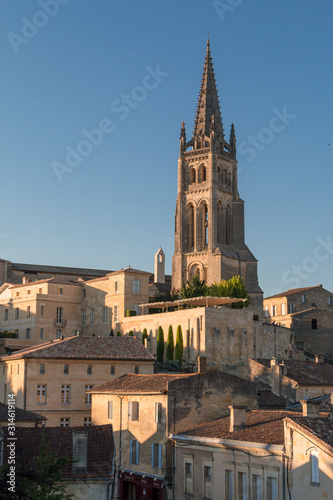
191,228
192,175
228,226
219,223
202,173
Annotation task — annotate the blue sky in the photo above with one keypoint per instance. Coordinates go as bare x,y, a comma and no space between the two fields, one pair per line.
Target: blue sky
67,64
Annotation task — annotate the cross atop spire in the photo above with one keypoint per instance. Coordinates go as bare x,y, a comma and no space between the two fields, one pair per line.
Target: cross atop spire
208,106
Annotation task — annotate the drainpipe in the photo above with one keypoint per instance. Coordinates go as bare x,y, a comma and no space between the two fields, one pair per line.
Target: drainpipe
25,383
120,426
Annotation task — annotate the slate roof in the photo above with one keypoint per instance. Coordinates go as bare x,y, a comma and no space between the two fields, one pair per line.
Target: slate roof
292,291
100,448
34,268
129,383
305,372
20,414
321,428
261,427
115,348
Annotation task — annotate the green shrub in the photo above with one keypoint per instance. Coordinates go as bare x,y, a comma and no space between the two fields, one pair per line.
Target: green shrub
130,313
160,345
131,334
170,345
179,345
118,333
144,335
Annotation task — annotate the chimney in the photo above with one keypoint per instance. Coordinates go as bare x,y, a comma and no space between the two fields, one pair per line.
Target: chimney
274,362
310,408
319,359
277,372
202,364
237,417
25,280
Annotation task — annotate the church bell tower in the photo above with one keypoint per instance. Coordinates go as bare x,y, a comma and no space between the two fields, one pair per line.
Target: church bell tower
209,220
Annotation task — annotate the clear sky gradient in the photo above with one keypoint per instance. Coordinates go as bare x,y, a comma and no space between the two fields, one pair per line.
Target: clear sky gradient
68,67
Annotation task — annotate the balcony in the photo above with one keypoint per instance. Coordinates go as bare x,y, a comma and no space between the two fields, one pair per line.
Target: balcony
60,324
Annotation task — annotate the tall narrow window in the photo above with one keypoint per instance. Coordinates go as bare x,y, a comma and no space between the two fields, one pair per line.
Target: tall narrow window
59,333
272,488
134,451
92,316
190,218
314,323
83,317
219,223
116,287
207,473
28,312
41,333
59,314
133,410
156,455
204,225
42,310
228,225
17,313
110,410
6,315
188,476
192,175
105,311
116,312
136,286
229,485
256,487
65,394
41,394
314,467
87,394
283,309
27,334
242,486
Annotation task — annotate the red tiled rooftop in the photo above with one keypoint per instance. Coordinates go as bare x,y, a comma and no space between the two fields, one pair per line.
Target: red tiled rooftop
100,448
115,348
292,291
321,428
305,372
131,383
261,427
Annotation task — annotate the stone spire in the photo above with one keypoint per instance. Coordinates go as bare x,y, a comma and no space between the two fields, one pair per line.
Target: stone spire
232,140
182,139
208,109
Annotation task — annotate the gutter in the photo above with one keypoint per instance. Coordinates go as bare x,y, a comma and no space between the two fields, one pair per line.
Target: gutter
228,443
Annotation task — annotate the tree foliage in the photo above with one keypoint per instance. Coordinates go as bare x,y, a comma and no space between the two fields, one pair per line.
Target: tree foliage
170,345
195,288
160,345
233,288
179,345
144,335
131,333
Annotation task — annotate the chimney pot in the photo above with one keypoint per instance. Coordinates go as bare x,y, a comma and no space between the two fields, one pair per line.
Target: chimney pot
319,359
237,417
310,408
274,362
202,364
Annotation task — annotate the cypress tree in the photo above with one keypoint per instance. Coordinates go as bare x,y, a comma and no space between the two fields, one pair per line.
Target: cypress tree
170,345
179,345
160,345
144,335
131,334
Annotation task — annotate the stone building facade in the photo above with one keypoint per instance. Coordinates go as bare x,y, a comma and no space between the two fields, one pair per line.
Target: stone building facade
209,220
54,379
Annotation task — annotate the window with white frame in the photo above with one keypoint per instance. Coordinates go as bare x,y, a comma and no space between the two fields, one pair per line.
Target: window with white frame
134,451
87,394
136,286
158,412
92,316
242,486
65,394
59,314
207,481
65,422
116,312
41,394
271,488
133,410
256,487
87,421
188,475
273,310
314,462
83,317
229,484
105,315
17,313
110,410
156,455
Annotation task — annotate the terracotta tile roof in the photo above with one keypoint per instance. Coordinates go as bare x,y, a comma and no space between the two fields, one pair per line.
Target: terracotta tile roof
323,402
20,414
292,291
128,270
129,383
267,399
115,348
321,428
305,372
261,427
100,448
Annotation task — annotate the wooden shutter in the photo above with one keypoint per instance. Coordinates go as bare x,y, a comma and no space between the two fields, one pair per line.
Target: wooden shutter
110,410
